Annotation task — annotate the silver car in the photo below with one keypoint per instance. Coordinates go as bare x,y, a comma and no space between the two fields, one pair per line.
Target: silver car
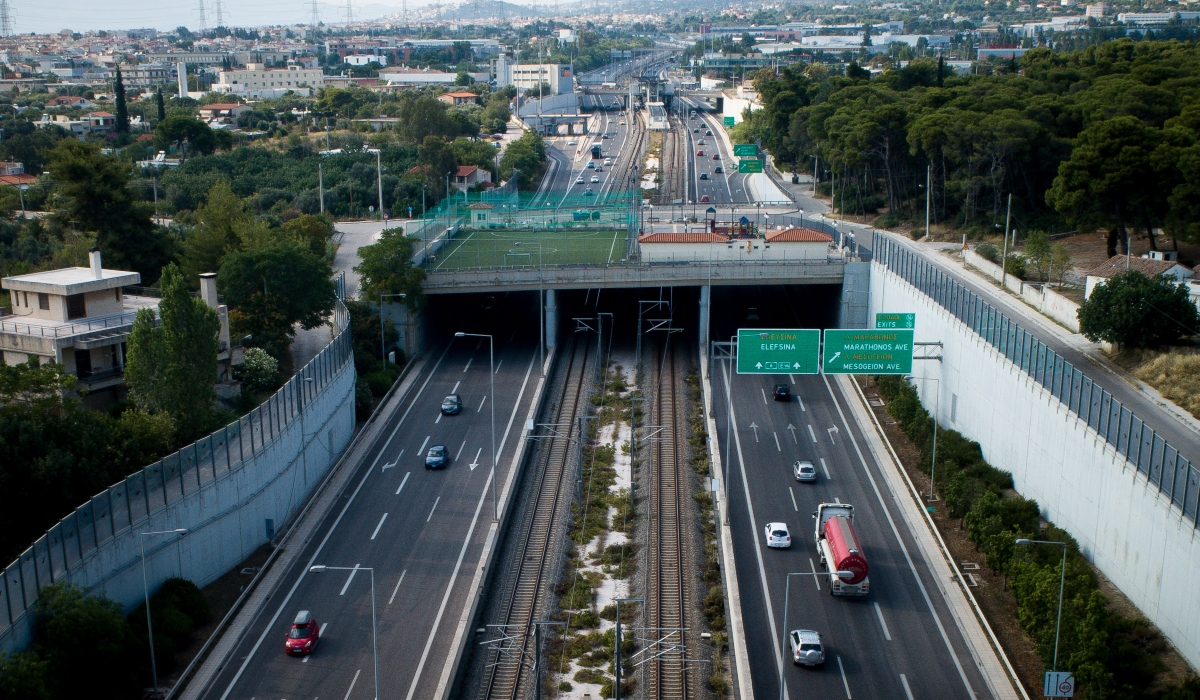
804,471
807,649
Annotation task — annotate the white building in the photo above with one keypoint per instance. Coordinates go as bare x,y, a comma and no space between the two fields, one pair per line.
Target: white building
527,76
258,82
362,60
1151,267
790,244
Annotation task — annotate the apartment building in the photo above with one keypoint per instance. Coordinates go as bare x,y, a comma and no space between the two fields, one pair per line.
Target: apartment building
527,76
259,82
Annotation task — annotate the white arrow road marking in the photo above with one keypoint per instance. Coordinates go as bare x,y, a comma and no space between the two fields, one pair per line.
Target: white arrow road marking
389,465
396,589
403,482
475,463
811,434
754,427
777,447
835,356
832,431
792,429
374,534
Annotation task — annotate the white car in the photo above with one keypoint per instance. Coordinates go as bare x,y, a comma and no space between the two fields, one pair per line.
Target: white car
807,649
595,178
579,180
608,161
804,471
778,535
571,143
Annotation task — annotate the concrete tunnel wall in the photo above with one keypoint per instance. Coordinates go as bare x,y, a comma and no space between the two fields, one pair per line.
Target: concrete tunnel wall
1123,524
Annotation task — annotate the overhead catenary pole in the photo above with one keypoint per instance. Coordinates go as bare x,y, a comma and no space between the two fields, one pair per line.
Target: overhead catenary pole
1004,254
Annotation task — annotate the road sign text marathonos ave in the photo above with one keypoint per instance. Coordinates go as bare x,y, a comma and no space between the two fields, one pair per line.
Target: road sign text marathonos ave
868,352
778,351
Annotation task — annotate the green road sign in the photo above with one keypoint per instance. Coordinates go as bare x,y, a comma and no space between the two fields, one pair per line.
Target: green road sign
868,352
749,165
778,351
730,121
745,150
895,320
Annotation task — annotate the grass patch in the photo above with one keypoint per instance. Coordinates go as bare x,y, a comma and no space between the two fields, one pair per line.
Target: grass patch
1176,375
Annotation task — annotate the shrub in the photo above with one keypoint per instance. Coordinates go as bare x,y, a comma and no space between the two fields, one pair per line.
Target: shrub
1131,309
1015,265
987,251
258,371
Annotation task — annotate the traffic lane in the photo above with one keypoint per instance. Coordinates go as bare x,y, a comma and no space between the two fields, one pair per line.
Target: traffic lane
354,524
856,633
735,189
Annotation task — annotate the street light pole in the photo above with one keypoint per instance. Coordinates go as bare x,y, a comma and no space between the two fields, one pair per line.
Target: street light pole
937,407
492,406
1062,577
321,568
382,344
146,597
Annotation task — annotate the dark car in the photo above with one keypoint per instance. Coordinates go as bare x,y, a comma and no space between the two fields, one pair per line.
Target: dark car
451,405
436,458
302,637
783,392
716,156
708,132
718,169
703,176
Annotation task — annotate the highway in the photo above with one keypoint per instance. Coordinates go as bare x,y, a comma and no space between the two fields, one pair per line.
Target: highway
422,531
901,641
569,162
721,188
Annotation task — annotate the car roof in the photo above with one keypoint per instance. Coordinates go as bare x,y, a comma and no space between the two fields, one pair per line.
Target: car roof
779,526
302,618
810,636
436,448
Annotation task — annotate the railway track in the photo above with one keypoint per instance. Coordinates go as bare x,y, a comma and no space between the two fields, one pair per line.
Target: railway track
510,672
674,163
667,676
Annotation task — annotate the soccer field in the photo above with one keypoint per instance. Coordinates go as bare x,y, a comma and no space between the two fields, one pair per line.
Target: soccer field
484,248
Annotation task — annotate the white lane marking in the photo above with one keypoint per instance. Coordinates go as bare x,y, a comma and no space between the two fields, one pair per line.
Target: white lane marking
816,577
793,495
403,482
455,389
475,462
306,658
777,446
435,502
438,419
349,579
844,681
802,408
811,434
437,621
498,365
764,393
397,588
374,534
762,572
313,559
792,377
423,444
460,449
907,690
879,613
469,361
322,632
904,549
837,500
481,403
352,684
825,468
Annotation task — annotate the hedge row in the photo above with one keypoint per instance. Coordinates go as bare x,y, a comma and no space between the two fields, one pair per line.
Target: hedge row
1112,656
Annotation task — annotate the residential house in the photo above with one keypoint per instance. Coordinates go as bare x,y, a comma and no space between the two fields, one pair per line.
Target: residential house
100,122
70,101
1148,266
223,112
468,176
455,99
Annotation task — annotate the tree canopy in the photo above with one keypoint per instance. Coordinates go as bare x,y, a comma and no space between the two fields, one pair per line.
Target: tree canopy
1133,310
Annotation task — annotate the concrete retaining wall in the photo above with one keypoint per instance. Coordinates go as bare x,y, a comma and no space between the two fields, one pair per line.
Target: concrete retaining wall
1125,524
232,491
1040,297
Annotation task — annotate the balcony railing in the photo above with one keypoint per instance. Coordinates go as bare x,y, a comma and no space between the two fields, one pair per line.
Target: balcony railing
96,375
66,330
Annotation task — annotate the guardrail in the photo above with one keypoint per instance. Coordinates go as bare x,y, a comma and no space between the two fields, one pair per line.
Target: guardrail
70,329
1175,476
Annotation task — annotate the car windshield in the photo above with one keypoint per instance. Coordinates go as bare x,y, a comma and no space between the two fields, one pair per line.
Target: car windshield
449,401
298,632
436,451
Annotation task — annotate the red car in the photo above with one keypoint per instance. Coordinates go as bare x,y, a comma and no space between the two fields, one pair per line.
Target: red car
302,637
700,153
703,199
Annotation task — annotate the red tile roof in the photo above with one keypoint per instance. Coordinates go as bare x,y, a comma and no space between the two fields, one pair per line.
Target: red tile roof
798,235
682,238
466,170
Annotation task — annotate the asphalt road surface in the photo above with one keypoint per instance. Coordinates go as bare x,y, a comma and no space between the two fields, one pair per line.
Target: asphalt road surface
422,531
898,642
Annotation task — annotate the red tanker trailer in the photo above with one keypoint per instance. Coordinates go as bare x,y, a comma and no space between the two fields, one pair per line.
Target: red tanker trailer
840,551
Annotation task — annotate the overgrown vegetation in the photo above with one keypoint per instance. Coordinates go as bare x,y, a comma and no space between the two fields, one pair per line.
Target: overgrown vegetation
1112,656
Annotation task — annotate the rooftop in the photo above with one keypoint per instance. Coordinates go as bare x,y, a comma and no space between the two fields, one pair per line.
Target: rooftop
683,238
70,280
1147,266
798,235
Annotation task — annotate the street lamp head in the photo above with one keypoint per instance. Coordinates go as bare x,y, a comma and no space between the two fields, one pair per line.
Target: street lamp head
319,568
460,334
181,530
1022,540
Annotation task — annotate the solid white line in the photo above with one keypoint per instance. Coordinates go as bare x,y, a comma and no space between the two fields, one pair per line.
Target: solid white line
802,408
777,447
397,588
352,684
460,449
435,502
312,560
455,389
825,468
764,393
469,361
373,534
907,690
481,402
403,482
349,579
423,444
811,434
844,681
896,532
793,495
879,613
412,689
816,577
499,363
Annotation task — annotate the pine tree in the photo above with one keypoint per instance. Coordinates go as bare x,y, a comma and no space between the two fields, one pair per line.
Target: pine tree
162,110
122,111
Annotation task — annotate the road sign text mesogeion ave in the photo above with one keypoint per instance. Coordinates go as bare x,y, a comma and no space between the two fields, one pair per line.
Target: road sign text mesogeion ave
868,352
778,351
750,165
745,150
730,121
895,320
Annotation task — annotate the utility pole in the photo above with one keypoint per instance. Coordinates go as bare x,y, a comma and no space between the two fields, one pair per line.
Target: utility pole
321,184
349,13
203,21
316,17
6,27
379,181
217,4
1004,255
928,179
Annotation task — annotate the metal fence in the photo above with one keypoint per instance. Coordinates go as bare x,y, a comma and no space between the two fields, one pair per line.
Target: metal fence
62,552
1161,463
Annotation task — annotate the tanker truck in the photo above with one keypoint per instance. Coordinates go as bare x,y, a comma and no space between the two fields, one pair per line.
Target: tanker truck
839,549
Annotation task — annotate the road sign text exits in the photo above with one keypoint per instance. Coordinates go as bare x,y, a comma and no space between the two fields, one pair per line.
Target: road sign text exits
895,320
778,351
868,352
